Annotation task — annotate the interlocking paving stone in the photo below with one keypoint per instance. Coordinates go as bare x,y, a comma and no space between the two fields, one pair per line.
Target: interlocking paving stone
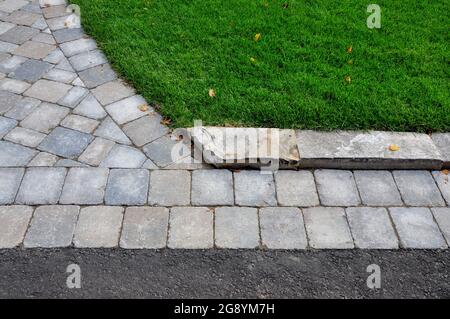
122,156
127,109
22,18
10,181
14,86
40,24
5,26
191,228
57,23
78,46
34,50
109,130
54,11
327,228
15,155
442,141
64,162
6,125
254,188
96,151
236,227
443,181
84,186
55,57
165,151
19,34
25,137
52,226
112,92
31,70
98,226
212,187
7,47
12,5
296,188
91,108
377,188
49,91
65,65
74,97
80,123
145,130
416,228
85,61
32,7
14,222
418,188
43,159
8,100
66,143
127,187
336,188
170,188
145,228
60,76
45,117
442,216
66,35
98,75
12,63
41,186
372,228
44,38
282,228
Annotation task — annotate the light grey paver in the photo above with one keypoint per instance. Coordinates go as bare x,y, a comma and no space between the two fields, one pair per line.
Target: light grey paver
145,129
44,38
442,179
54,11
327,228
52,226
98,75
416,228
96,151
80,123
90,107
5,26
41,186
66,35
145,228
296,188
377,188
336,188
418,188
25,137
127,187
57,23
14,86
14,222
98,226
212,187
22,18
58,75
10,181
166,151
49,91
34,50
66,143
122,156
45,117
31,70
442,141
127,110
6,47
169,188
112,92
78,46
191,228
87,60
282,228
19,34
6,125
109,130
22,108
236,227
8,100
43,159
12,5
55,57
84,186
372,228
74,97
14,155
254,188
442,216
11,64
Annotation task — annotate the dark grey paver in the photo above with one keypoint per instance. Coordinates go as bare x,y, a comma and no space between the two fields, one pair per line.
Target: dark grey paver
66,143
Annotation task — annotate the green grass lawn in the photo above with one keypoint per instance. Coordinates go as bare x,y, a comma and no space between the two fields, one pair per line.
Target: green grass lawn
297,75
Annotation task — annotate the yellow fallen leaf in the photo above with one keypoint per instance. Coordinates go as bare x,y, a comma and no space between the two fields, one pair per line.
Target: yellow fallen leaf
143,107
257,37
394,148
350,49
445,171
253,60
350,62
348,79
212,93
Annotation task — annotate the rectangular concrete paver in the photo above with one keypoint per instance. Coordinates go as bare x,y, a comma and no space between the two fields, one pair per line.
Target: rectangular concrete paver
127,110
87,60
98,75
13,155
377,188
85,186
6,125
145,129
145,228
14,222
372,228
112,92
327,228
212,187
25,137
122,156
127,187
98,226
442,216
49,91
96,151
170,188
296,188
336,188
66,143
282,228
10,179
442,179
45,117
80,123
236,227
254,188
52,226
34,50
442,141
417,228
191,228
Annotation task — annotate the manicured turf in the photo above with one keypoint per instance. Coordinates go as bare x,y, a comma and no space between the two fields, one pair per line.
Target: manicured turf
298,75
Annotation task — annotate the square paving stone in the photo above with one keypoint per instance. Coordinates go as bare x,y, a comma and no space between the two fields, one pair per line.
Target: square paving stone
122,156
98,75
236,227
442,141
191,228
80,123
12,5
10,181
282,228
96,151
336,188
254,188
34,50
165,151
66,35
109,130
442,179
11,64
45,117
14,222
41,186
52,226
98,226
372,228
442,216
6,125
377,188
327,228
78,46
25,137
145,130
127,110
212,187
8,101
14,86
416,228
19,34
85,186
112,92
127,187
48,90
145,228
88,60
31,70
66,143
60,76
170,188
418,188
296,188
14,155
74,97
90,108
23,18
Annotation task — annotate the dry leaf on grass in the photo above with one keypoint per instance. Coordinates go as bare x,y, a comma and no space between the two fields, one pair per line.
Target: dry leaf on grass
350,49
348,79
166,121
143,107
257,37
212,93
